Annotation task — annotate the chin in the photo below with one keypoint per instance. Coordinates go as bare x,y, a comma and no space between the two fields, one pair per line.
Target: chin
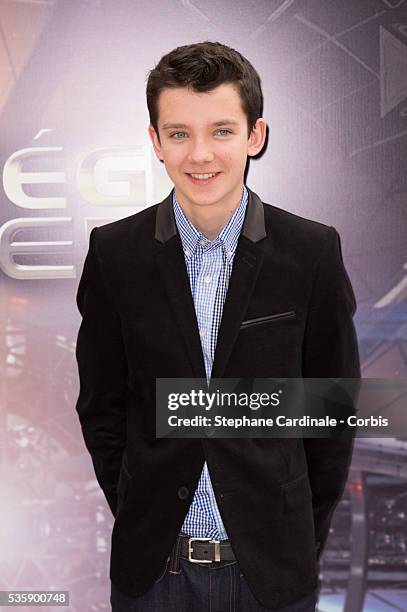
205,199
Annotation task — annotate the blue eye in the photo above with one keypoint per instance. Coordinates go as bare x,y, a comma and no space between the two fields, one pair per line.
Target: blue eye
175,135
224,130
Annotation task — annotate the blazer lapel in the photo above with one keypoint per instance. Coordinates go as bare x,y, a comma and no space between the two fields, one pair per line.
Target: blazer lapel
246,266
171,262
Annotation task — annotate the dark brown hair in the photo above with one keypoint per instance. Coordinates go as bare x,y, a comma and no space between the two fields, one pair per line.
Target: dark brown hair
204,66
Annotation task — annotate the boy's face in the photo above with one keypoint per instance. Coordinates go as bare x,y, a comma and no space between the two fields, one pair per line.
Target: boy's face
205,133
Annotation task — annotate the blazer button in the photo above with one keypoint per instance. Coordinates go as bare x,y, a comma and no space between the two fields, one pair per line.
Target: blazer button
183,492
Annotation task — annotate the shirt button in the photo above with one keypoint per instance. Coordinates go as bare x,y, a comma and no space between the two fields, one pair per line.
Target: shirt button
208,279
187,252
202,332
202,242
183,492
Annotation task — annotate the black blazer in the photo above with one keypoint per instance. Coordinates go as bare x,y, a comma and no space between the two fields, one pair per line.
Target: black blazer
276,496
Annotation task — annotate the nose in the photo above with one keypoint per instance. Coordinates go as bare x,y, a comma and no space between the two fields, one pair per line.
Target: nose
200,152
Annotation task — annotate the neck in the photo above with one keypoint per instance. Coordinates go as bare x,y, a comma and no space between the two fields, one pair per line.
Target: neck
210,219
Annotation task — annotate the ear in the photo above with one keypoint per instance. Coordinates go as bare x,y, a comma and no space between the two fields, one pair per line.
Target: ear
257,137
155,142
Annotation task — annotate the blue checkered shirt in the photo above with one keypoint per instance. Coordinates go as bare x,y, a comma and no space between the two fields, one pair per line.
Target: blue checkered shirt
209,265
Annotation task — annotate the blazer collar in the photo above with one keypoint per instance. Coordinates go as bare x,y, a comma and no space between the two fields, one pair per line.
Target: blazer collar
253,225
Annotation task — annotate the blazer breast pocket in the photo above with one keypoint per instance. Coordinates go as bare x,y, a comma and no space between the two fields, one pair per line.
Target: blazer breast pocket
289,314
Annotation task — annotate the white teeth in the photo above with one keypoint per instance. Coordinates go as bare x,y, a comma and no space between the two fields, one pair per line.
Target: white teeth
203,176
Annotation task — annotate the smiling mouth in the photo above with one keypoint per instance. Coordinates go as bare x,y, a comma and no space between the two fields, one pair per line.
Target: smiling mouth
202,176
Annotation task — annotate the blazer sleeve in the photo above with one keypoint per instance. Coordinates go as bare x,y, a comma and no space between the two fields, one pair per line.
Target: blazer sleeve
330,350
102,369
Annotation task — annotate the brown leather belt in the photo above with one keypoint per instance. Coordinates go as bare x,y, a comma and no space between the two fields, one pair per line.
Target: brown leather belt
205,550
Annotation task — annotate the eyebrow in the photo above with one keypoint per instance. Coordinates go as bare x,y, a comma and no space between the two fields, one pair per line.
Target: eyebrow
178,126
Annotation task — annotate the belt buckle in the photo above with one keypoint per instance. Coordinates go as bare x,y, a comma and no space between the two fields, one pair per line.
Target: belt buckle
217,550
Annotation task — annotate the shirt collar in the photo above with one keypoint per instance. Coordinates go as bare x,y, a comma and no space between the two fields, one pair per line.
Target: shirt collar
228,236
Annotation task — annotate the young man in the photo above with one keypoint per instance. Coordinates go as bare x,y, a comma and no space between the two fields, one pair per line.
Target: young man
211,282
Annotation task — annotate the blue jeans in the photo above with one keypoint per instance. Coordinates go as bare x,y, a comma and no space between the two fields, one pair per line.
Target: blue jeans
201,587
